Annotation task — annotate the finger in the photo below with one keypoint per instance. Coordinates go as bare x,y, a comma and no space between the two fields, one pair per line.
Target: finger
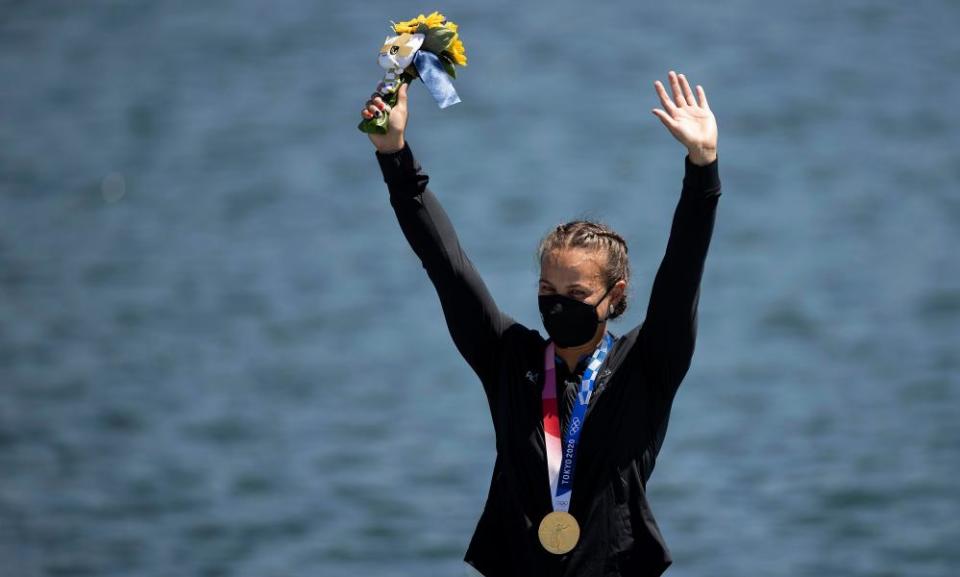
379,104
402,94
675,88
373,110
366,114
687,93
703,97
664,99
665,118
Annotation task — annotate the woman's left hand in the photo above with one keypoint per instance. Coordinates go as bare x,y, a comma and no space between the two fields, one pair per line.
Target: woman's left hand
690,121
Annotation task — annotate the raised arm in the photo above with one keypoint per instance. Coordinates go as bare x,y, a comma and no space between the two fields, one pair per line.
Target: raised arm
669,330
473,319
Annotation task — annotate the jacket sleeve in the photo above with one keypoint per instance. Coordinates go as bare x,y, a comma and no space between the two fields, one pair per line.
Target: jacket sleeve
473,319
667,336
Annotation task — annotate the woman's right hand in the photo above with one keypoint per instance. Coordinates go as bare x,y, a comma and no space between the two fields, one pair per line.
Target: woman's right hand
690,122
393,140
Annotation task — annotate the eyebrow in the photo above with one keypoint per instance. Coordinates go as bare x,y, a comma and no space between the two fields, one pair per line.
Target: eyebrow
575,285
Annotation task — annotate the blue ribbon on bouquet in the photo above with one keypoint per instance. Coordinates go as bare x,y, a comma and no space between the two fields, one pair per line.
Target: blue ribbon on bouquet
435,78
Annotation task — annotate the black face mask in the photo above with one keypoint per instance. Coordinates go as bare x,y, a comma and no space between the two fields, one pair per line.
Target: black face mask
569,322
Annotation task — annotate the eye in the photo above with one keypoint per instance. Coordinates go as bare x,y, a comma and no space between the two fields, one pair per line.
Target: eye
394,50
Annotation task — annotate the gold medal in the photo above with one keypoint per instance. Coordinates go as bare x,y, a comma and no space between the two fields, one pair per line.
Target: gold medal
559,532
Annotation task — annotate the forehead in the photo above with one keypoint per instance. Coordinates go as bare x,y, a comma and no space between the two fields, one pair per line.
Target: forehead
572,266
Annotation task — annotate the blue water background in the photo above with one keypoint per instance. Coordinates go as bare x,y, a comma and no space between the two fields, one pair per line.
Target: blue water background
219,357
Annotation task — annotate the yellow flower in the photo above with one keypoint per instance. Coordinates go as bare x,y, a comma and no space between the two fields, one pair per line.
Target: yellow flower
434,20
456,51
404,28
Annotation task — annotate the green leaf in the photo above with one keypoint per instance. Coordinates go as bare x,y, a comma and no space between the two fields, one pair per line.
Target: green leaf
438,40
448,66
374,125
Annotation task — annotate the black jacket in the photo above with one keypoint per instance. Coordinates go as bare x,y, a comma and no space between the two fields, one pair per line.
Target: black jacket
628,414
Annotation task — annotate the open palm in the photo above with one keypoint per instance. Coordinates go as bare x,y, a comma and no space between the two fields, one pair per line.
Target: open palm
688,118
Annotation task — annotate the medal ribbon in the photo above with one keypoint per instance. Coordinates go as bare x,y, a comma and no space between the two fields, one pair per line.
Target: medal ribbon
562,457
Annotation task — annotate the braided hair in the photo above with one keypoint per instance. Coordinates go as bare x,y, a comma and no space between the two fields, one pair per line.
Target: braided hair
593,236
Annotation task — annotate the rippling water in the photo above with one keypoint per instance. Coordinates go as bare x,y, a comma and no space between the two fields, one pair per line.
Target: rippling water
219,357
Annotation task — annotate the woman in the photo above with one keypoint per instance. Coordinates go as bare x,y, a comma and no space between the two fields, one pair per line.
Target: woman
579,418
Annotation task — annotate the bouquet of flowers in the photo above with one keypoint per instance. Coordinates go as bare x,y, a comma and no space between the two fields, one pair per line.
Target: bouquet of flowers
426,47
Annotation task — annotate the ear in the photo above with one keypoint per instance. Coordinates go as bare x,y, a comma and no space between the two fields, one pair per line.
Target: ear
616,294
